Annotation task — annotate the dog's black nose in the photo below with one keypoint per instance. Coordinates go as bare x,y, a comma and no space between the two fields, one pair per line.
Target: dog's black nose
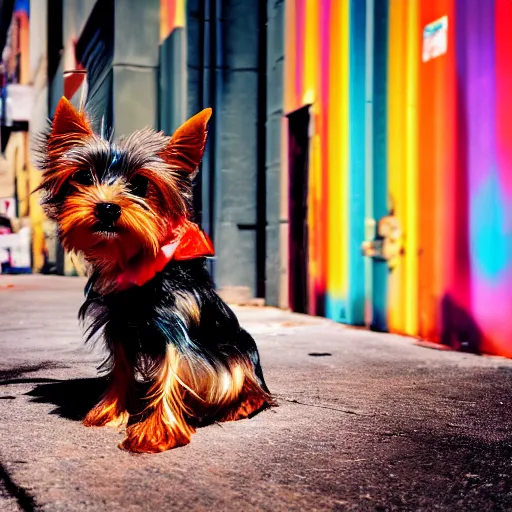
108,212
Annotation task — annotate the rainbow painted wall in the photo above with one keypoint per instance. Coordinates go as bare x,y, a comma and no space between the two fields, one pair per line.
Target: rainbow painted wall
429,142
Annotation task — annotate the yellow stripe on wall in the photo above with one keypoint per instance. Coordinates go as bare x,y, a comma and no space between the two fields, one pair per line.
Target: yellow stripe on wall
179,15
397,144
412,196
403,62
338,152
311,57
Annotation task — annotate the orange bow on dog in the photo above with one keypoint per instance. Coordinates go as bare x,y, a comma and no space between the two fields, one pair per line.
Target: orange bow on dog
191,243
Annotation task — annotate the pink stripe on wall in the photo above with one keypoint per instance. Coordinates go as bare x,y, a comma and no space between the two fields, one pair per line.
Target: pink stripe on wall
325,50
300,47
325,46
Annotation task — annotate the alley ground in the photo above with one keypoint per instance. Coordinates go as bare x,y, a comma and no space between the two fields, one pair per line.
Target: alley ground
365,422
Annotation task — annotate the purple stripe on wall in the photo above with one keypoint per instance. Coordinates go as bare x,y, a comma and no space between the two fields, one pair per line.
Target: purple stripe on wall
481,83
490,250
461,284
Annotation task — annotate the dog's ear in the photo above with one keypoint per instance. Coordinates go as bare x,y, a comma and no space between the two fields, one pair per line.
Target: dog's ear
68,127
186,147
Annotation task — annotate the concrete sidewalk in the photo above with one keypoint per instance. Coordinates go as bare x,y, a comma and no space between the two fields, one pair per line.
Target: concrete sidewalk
365,421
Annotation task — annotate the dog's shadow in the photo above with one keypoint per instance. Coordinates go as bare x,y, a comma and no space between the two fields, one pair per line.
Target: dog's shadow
73,398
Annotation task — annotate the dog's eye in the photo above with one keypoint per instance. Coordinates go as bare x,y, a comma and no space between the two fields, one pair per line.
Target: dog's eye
139,185
83,177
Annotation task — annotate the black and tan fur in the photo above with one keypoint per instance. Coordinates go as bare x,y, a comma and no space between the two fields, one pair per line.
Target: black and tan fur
173,332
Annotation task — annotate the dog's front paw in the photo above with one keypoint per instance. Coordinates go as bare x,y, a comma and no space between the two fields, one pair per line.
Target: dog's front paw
152,436
106,414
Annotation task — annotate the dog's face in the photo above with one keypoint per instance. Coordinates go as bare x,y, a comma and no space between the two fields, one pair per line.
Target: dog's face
115,200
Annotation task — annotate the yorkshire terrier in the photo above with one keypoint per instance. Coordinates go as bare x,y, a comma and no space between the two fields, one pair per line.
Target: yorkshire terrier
126,207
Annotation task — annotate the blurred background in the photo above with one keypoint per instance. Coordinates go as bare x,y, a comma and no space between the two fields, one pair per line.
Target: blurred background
359,162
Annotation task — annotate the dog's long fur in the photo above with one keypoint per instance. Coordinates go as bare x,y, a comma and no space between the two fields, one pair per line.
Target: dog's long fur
172,332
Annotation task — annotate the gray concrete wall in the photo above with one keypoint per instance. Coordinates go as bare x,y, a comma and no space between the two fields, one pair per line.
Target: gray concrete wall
56,89
194,54
135,65
74,16
173,81
198,96
276,246
237,146
127,86
223,68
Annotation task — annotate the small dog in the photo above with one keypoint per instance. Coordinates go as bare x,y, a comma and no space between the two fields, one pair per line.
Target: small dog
126,206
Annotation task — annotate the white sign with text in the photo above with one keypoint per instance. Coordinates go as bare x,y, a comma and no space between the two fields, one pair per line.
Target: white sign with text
435,39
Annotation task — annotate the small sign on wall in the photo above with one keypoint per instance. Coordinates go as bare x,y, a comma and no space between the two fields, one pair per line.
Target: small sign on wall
435,39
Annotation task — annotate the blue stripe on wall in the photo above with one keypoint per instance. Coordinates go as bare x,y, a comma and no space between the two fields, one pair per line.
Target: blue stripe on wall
380,182
357,131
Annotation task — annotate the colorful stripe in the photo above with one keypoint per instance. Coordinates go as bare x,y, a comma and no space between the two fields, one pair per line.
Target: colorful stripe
172,15
397,113
403,160
300,34
423,140
357,163
335,133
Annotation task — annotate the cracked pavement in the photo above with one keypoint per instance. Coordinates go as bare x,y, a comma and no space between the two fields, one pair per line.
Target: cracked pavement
365,421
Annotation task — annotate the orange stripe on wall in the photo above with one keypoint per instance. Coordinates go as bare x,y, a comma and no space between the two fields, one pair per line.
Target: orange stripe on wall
290,100
316,196
172,15
436,167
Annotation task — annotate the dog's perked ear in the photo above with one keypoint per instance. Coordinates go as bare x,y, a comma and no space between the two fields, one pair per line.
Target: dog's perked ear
186,147
68,127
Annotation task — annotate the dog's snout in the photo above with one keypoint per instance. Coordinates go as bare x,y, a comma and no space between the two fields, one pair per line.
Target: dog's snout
108,212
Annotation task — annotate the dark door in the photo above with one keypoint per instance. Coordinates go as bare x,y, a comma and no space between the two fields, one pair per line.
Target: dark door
298,152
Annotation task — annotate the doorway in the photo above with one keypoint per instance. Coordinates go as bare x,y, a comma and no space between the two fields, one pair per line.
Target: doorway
298,158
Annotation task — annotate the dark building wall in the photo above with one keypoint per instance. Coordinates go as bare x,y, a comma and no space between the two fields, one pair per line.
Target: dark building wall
196,96
173,81
135,64
275,78
218,60
236,182
225,70
95,52
197,34
117,42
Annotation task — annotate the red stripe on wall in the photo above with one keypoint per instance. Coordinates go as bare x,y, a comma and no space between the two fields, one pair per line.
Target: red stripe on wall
503,91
